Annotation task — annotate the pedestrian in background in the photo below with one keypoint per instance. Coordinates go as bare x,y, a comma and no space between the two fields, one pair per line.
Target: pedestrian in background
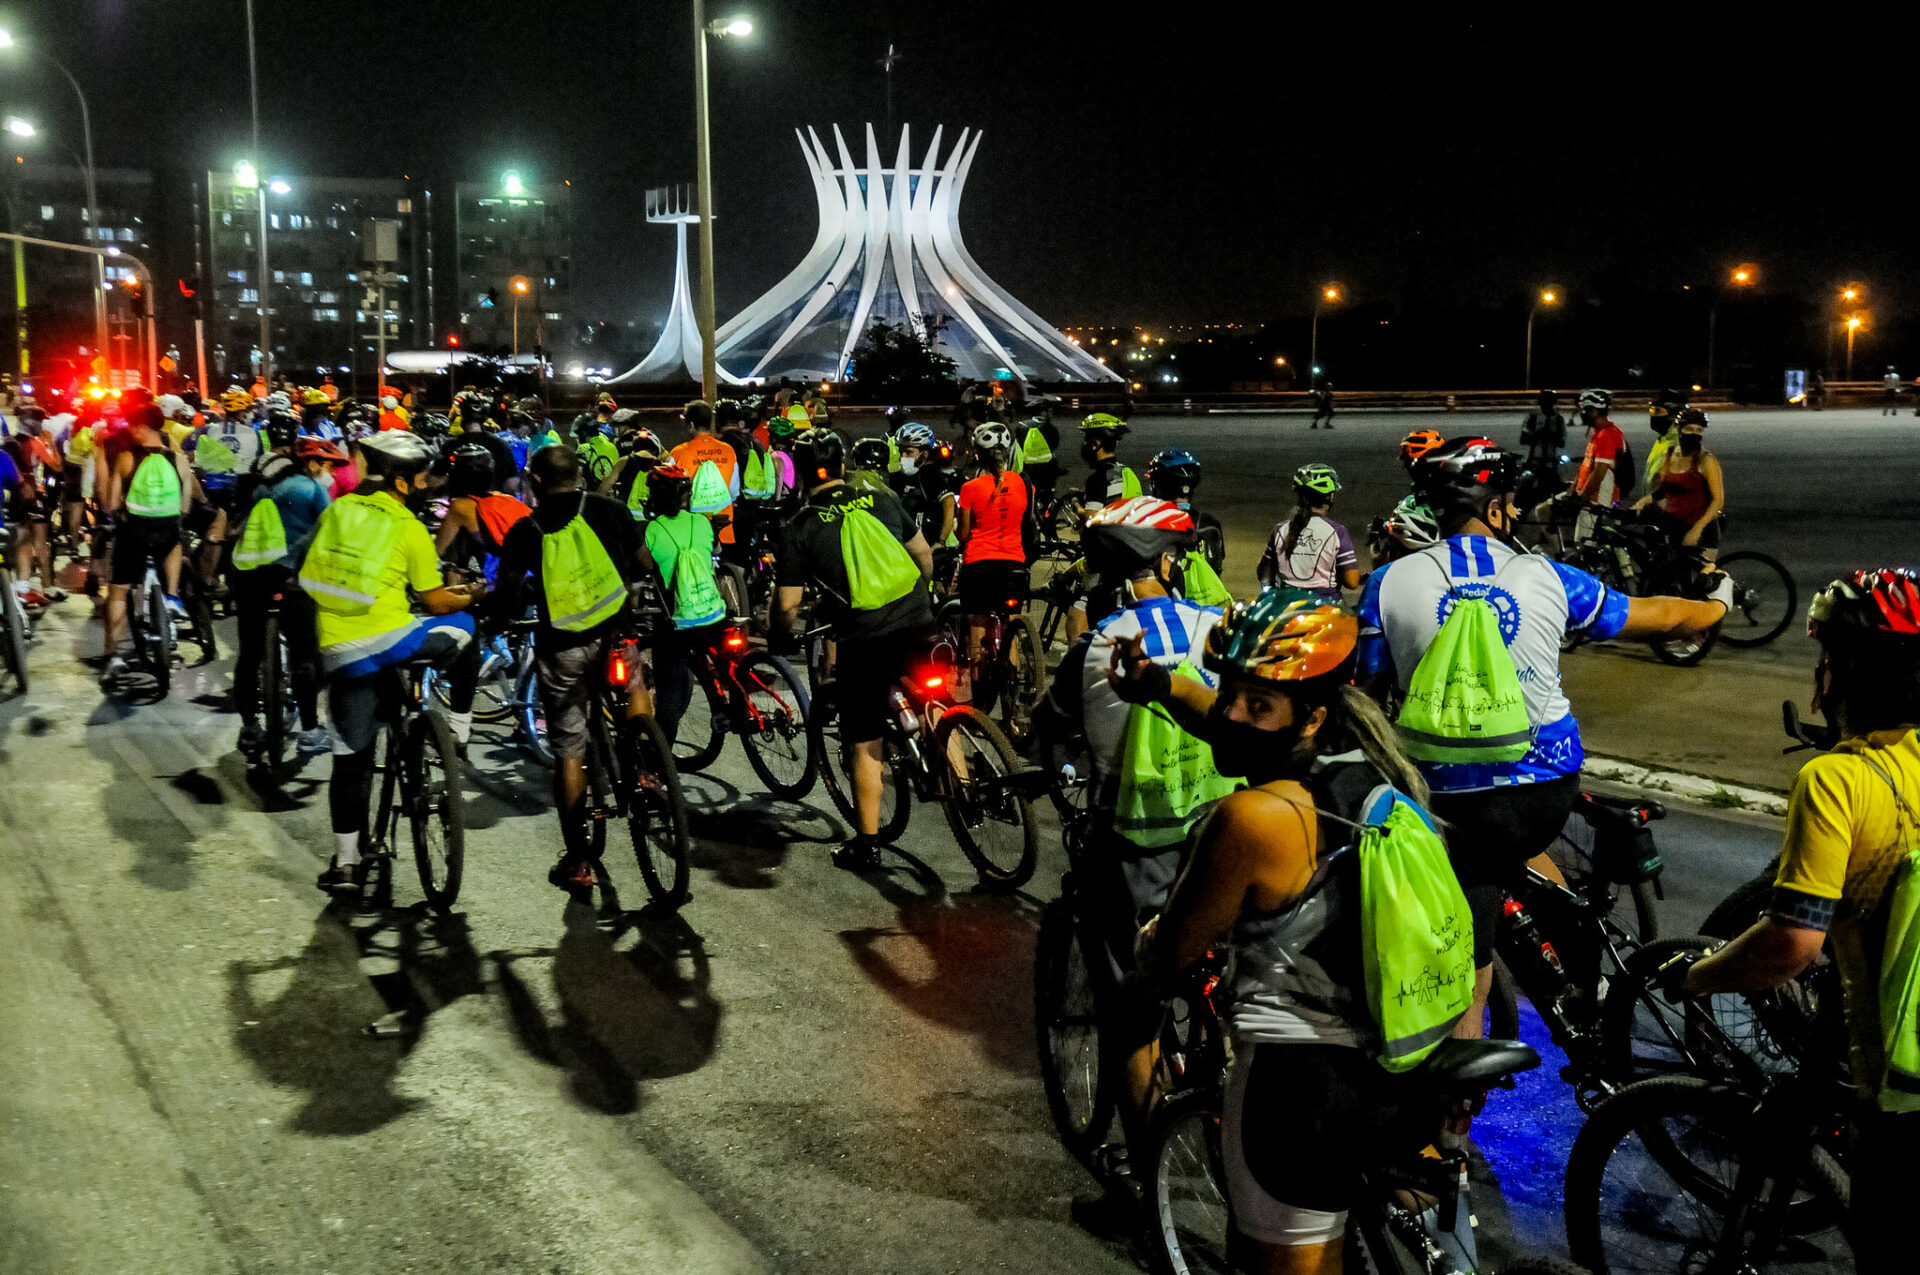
1890,401
1322,403
1544,433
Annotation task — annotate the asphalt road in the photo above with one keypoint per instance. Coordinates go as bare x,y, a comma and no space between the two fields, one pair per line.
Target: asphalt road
204,1068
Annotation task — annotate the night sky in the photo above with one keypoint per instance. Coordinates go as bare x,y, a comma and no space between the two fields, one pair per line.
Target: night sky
1141,164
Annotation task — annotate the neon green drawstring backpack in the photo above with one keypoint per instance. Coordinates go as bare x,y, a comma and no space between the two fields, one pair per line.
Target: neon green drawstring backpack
1464,702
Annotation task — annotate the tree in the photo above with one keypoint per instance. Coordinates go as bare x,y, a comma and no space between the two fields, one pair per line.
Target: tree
902,362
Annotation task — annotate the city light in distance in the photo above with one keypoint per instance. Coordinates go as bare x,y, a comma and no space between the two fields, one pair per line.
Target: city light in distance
19,127
280,186
514,185
245,174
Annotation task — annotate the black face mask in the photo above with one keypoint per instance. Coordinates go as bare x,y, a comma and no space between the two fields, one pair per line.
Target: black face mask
1690,444
1243,751
1090,453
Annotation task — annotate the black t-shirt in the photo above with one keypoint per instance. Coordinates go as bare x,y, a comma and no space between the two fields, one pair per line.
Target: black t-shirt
504,468
618,533
809,554
920,494
1106,482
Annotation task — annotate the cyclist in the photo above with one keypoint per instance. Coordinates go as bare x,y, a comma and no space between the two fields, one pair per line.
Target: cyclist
1039,456
1174,475
1136,854
681,544
1108,479
1606,467
713,465
593,435
1851,827
1416,444
927,487
582,553
1308,1109
479,515
264,561
1503,813
368,552
1664,411
1686,497
1322,395
641,450
40,467
1543,434
77,475
993,513
876,624
1310,550
150,487
867,464
225,451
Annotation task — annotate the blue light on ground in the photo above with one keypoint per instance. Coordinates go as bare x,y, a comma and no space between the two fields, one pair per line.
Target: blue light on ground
1526,1135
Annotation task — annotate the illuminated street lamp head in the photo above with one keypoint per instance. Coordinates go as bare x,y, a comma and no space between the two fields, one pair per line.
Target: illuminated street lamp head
19,127
1846,294
1853,320
520,284
1745,275
280,186
1549,297
6,39
730,26
514,185
1331,292
245,174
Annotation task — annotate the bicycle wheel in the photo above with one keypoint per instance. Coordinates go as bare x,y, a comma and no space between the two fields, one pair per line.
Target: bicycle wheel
1684,653
200,616
1062,747
273,697
990,817
656,811
493,696
1655,1183
601,768
1024,679
435,810
1765,600
703,729
383,830
773,725
16,637
1191,1219
155,642
532,724
831,762
1067,1030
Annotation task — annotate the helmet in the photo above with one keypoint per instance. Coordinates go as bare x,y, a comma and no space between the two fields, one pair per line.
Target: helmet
1463,474
1866,606
669,488
780,427
174,408
1413,524
1104,420
236,400
1284,635
1173,474
728,411
1418,443
321,449
622,415
604,399
397,453
1130,535
992,437
283,428
645,442
279,398
1318,479
314,398
31,411
870,453
1598,400
1694,416
819,455
470,469
914,434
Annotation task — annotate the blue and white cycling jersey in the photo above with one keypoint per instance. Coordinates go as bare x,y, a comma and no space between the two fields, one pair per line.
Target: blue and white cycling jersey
1538,601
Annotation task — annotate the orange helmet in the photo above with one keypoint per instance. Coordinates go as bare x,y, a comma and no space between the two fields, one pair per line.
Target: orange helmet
1284,635
1418,444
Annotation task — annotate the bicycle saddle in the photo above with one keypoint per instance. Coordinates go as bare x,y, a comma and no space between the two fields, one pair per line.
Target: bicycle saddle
1461,1066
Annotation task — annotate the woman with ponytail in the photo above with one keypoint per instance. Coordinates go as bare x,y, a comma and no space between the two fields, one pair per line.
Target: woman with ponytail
1310,550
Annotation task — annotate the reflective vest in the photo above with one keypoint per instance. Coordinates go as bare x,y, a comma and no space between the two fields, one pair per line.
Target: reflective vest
695,589
353,549
263,540
155,490
583,587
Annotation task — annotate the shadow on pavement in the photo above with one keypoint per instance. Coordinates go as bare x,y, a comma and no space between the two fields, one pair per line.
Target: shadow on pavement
320,1030
742,839
963,961
628,1013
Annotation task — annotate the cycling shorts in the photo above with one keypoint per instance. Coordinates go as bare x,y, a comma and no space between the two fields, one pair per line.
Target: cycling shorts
1491,834
865,671
1302,1124
136,541
73,483
987,586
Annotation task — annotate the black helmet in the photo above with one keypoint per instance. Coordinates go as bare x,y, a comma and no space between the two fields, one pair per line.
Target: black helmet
470,469
870,453
1694,416
1463,474
282,428
1173,474
819,456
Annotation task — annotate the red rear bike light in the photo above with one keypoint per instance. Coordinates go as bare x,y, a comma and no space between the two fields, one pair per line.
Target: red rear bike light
932,682
736,640
618,670
1510,907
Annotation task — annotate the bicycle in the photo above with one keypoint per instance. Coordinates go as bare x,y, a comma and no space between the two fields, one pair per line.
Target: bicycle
278,714
631,775
18,632
755,695
150,625
942,752
418,775
1009,669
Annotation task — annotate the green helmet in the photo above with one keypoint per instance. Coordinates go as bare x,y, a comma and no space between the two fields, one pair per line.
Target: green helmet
780,427
1318,479
1104,420
1285,635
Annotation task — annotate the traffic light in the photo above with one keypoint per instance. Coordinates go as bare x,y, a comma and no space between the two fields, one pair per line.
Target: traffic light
453,340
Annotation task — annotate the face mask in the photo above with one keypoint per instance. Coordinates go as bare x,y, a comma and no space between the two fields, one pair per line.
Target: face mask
1089,453
1690,444
909,464
1243,751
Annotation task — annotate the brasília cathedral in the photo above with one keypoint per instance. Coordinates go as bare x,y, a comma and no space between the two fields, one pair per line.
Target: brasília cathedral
888,248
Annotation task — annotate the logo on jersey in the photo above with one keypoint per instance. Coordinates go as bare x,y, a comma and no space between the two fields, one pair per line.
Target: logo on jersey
1505,606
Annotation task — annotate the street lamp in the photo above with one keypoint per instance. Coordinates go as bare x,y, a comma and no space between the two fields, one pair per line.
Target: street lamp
1547,297
93,198
719,27
247,177
1850,294
1329,295
19,127
519,286
514,186
1744,275
1855,322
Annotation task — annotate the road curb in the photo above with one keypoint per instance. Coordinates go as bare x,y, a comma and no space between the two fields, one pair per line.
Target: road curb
1699,789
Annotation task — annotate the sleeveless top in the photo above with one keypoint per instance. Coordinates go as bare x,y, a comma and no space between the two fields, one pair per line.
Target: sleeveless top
1297,977
1683,492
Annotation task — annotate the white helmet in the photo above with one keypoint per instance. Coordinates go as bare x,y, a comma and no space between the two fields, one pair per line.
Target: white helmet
395,452
174,408
1598,400
914,434
992,437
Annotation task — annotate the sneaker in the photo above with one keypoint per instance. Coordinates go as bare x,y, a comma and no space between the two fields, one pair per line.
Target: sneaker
29,596
344,882
115,669
252,738
56,594
858,855
176,609
312,742
575,876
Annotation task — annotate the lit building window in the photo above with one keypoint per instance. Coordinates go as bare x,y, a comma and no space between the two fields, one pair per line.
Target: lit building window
249,296
46,212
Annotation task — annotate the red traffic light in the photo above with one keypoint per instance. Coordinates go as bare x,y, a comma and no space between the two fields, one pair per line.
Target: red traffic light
453,340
